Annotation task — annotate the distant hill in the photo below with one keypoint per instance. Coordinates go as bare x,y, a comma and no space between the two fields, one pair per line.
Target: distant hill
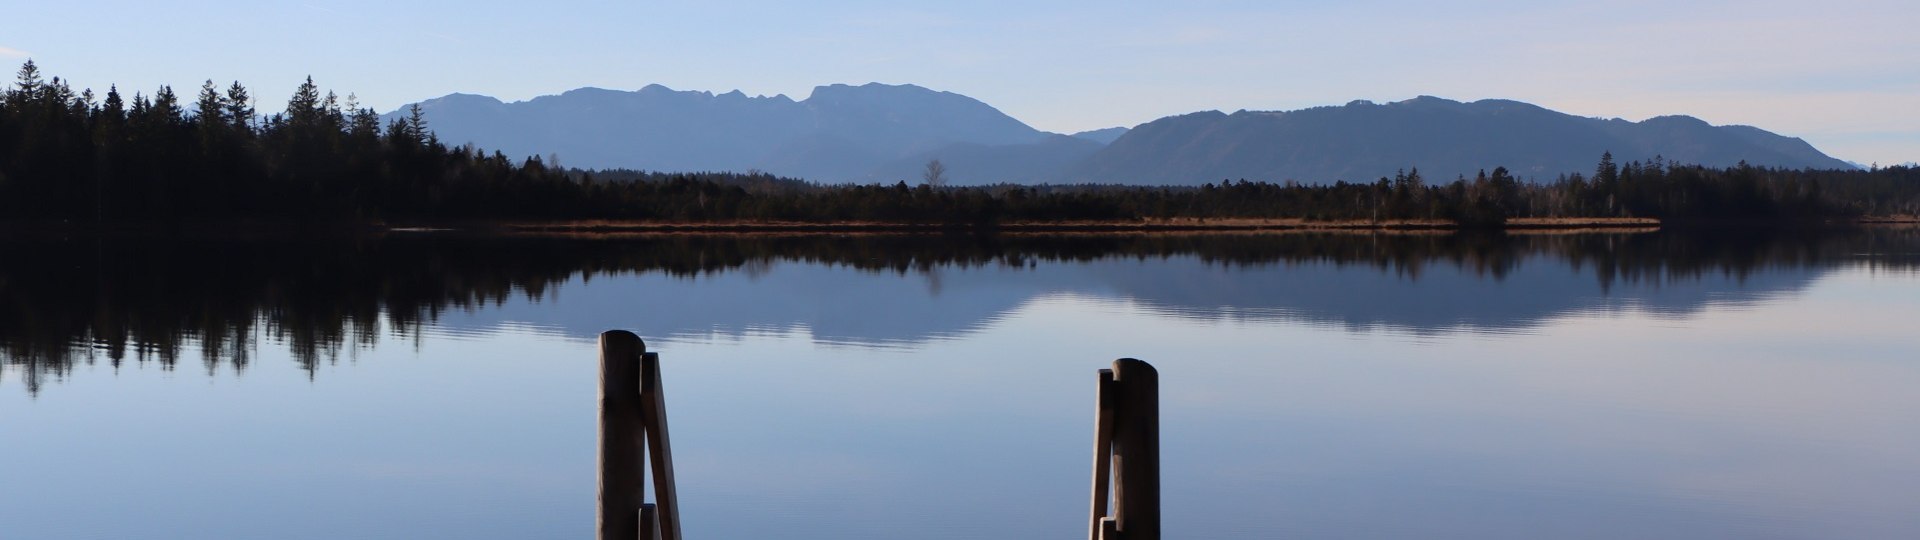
1363,141
1102,136
840,133
886,133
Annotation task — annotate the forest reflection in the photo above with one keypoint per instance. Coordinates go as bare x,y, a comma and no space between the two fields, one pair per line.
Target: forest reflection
81,301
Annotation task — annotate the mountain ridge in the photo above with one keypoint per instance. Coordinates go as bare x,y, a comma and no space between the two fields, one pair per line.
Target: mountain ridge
838,133
877,132
1362,141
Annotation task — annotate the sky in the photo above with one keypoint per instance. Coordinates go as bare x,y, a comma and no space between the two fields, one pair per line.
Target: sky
1842,74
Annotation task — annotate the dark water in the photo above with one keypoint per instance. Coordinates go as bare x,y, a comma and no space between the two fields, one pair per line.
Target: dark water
1658,385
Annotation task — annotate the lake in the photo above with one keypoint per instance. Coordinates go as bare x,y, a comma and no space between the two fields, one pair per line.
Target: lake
1744,384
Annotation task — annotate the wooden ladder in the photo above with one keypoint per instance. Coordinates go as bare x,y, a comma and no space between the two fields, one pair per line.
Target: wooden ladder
633,434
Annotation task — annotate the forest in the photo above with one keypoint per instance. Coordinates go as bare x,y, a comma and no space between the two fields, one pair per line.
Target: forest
85,159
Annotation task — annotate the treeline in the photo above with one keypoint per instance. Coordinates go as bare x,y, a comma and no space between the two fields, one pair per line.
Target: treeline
1653,189
86,158
77,157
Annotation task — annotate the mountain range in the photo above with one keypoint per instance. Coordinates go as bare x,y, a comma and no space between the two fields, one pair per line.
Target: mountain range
885,133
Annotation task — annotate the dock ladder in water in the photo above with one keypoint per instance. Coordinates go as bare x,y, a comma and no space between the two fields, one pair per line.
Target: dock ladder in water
633,438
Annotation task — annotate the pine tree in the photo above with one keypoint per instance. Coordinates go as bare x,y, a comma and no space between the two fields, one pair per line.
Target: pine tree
416,123
1606,181
362,123
165,110
27,87
303,110
211,109
239,108
114,110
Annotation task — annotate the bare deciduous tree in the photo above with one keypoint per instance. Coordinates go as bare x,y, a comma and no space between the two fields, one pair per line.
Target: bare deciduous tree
936,174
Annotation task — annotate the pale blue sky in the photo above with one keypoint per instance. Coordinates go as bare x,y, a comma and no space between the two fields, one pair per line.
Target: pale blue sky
1845,75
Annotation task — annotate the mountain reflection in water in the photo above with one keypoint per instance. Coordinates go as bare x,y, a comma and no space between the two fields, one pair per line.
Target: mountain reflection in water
71,302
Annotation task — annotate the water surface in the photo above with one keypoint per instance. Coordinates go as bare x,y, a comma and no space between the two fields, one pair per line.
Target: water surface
1656,385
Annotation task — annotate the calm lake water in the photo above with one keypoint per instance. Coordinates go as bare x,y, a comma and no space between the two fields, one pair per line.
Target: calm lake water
1651,385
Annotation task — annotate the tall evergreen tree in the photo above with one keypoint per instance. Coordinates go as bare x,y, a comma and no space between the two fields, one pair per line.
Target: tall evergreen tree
114,110
303,109
416,123
239,107
26,86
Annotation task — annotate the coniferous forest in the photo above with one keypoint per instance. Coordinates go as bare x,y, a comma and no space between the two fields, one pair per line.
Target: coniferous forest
85,158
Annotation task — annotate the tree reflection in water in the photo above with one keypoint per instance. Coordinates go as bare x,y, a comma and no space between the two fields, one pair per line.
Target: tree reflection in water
81,301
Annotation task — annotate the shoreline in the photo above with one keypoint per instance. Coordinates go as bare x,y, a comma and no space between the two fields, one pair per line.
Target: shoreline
1172,225
251,229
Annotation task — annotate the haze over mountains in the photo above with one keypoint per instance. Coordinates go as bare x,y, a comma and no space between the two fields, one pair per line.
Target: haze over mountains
1444,139
839,134
887,133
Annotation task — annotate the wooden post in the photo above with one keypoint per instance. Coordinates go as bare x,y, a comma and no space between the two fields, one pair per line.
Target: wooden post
621,474
653,420
1136,444
649,522
633,428
1127,432
1104,397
